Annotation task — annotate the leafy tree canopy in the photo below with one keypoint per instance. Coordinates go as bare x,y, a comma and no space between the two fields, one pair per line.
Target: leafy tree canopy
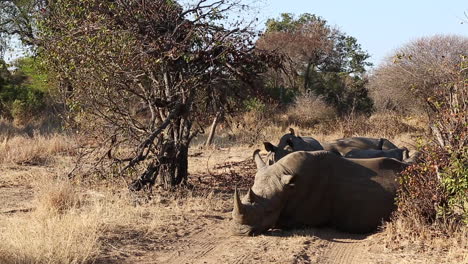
19,18
320,58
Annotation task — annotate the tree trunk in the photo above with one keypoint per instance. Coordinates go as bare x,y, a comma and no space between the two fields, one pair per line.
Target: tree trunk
307,76
215,123
174,164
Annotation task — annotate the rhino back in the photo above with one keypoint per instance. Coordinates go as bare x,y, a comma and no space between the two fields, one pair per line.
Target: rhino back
313,143
386,144
353,195
373,153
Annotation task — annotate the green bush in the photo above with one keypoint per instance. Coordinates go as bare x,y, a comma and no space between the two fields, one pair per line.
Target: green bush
254,104
23,93
455,182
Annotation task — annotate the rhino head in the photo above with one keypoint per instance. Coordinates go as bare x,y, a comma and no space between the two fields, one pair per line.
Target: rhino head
260,208
276,153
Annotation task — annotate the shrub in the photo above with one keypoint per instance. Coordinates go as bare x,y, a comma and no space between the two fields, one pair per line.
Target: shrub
410,75
309,110
435,191
23,94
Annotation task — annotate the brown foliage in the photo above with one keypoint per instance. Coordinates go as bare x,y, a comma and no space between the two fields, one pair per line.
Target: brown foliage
305,45
421,192
434,191
309,110
409,76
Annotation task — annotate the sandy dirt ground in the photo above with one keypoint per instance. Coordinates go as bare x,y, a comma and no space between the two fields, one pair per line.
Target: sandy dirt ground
205,237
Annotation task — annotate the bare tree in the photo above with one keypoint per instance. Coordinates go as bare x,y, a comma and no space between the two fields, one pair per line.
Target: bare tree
412,73
144,73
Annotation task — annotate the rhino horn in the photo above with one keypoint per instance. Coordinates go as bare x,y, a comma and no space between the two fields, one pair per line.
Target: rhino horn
238,209
250,196
258,160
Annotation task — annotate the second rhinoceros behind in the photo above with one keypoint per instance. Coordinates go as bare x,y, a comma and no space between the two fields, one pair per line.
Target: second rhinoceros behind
398,153
345,145
317,188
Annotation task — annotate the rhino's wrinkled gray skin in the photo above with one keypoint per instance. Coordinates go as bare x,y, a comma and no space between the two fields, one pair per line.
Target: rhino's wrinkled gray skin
398,153
317,188
345,145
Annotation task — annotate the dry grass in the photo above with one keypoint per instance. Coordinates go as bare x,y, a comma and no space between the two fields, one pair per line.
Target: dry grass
253,128
406,236
61,238
74,225
55,196
57,231
36,150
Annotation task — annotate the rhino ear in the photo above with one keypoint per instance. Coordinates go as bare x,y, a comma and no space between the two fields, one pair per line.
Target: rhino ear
250,196
288,180
269,147
406,154
291,131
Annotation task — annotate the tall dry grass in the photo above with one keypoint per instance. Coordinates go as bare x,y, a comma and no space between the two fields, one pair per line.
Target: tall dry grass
57,231
253,128
409,236
73,224
36,150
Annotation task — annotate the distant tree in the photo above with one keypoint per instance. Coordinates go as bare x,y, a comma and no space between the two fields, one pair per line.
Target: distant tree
411,74
19,19
23,93
4,73
145,73
320,58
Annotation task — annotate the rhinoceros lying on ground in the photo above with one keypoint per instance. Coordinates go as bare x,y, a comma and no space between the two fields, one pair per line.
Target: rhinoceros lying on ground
345,145
317,188
300,143
398,153
289,143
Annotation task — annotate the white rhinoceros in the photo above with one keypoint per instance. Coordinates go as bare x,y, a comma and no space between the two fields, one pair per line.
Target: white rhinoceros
345,145
398,153
317,188
290,143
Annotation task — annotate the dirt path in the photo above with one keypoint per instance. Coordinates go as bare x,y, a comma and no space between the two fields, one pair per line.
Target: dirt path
15,195
216,245
344,248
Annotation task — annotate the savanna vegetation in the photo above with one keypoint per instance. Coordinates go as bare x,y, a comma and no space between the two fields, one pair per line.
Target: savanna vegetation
105,126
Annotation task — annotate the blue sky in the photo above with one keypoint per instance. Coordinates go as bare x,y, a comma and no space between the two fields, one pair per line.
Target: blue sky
380,26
